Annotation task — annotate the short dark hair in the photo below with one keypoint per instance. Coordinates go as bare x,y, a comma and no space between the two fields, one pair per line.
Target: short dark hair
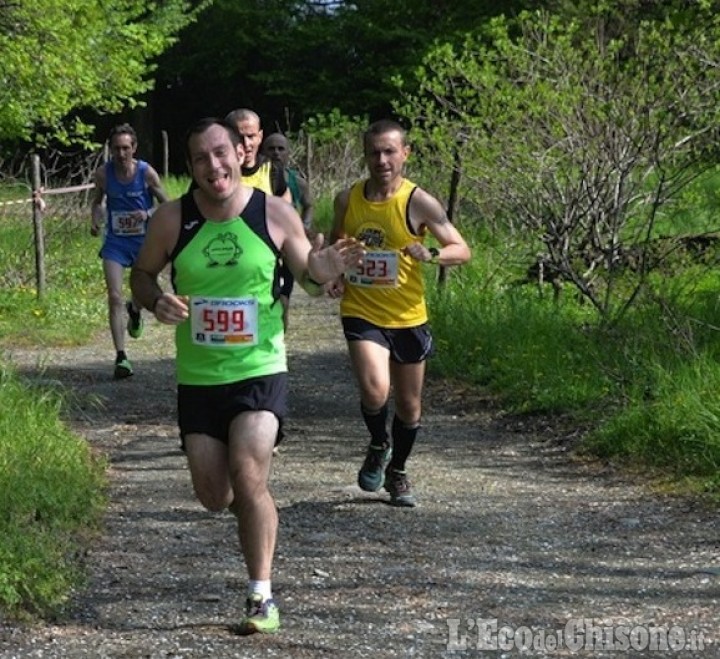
203,124
243,114
381,127
123,129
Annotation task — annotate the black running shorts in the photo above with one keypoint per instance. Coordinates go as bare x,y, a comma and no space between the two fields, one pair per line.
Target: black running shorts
209,410
407,345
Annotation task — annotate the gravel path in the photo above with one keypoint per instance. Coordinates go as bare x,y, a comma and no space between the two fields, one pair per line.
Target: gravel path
511,532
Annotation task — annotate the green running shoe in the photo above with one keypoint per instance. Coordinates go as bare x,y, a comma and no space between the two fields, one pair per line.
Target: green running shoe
397,484
262,617
123,369
372,474
135,321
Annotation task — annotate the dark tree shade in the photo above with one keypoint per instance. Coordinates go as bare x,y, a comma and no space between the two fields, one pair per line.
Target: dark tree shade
291,59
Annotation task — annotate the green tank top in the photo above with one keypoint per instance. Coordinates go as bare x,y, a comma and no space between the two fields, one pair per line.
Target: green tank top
230,271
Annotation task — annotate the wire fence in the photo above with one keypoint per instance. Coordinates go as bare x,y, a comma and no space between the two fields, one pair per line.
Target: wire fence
42,214
39,219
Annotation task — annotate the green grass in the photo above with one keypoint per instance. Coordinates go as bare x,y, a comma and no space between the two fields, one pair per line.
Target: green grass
51,485
511,340
674,428
47,519
73,305
12,191
323,215
645,387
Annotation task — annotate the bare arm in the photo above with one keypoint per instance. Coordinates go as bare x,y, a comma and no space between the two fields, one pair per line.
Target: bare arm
336,289
161,237
152,180
306,203
426,210
97,212
311,265
340,208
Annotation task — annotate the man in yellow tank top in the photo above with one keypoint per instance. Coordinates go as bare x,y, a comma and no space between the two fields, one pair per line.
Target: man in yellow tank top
383,309
262,173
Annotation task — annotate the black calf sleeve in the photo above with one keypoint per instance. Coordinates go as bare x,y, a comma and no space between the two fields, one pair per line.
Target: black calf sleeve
403,439
376,423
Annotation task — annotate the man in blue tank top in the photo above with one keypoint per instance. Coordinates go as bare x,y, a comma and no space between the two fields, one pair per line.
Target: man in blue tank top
122,203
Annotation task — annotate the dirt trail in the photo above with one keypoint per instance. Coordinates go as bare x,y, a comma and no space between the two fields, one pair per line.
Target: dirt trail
509,530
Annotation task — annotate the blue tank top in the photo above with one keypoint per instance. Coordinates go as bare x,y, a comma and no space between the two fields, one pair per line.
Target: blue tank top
123,198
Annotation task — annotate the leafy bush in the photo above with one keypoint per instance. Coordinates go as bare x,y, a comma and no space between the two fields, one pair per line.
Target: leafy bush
644,387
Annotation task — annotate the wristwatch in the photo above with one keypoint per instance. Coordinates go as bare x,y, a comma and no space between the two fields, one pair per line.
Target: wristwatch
434,254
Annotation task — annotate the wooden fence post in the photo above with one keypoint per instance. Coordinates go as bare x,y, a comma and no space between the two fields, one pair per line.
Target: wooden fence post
308,159
166,155
38,230
452,197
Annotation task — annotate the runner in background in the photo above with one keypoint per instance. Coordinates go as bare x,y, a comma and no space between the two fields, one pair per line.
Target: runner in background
264,174
277,147
123,203
383,309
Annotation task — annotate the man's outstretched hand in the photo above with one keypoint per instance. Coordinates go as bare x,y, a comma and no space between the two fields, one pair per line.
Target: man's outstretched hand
327,263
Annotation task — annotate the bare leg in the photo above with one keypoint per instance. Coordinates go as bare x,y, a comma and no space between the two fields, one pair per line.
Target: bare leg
252,438
114,274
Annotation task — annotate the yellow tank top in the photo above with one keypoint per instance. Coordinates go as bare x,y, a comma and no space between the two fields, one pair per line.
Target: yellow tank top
388,289
260,178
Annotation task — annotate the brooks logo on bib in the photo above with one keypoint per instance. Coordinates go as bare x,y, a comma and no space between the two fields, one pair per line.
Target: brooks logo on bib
218,322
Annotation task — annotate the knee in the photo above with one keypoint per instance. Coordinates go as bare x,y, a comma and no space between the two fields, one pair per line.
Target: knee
115,299
374,394
247,488
212,496
409,412
214,502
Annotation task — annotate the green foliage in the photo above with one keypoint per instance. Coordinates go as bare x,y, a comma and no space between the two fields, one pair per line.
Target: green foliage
74,305
45,520
696,209
334,127
60,56
335,159
645,387
573,140
292,59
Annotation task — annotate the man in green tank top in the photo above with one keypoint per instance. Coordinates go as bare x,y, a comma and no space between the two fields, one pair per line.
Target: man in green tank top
225,241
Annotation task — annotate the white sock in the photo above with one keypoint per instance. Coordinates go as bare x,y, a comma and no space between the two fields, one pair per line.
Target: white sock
263,587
